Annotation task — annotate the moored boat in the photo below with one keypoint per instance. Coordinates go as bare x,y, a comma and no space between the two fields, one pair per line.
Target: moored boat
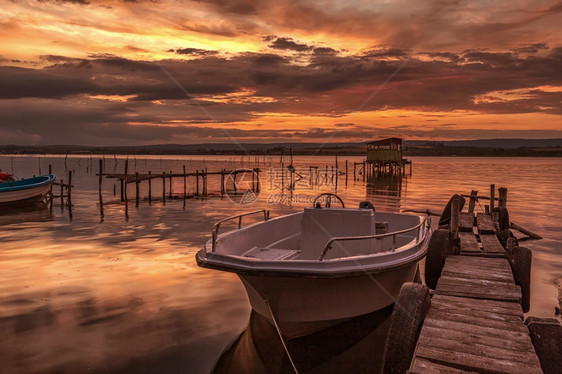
25,191
310,270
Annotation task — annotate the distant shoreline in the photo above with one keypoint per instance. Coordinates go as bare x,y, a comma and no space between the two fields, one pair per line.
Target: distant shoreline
343,151
468,148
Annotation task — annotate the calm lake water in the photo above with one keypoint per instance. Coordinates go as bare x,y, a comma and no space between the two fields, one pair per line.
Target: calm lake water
79,293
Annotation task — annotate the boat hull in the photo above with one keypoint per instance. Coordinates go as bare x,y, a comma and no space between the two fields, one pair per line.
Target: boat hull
23,193
305,305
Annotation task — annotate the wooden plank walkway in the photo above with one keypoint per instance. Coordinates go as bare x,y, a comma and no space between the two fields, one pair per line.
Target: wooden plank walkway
485,224
478,278
475,323
466,221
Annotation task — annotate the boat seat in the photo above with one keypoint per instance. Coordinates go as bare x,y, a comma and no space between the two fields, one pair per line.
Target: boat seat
272,254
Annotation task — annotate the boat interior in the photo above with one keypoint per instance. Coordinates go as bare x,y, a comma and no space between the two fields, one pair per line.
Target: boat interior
304,235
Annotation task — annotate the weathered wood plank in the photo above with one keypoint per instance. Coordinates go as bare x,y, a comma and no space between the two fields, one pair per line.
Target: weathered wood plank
475,273
440,314
466,309
477,262
423,366
469,242
466,221
479,293
480,349
469,361
490,243
475,281
485,224
483,254
469,337
478,330
500,307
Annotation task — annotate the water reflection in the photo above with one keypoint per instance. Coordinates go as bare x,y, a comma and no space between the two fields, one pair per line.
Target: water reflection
385,191
126,296
28,213
355,346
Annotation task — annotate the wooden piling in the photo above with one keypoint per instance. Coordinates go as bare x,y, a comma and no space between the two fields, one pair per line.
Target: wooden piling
69,190
50,169
149,187
170,184
206,181
346,172
164,187
492,195
137,189
122,189
455,211
184,184
222,184
472,202
62,193
197,182
125,178
100,182
503,197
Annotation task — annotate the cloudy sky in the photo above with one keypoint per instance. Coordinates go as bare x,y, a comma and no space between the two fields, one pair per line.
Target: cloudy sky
116,72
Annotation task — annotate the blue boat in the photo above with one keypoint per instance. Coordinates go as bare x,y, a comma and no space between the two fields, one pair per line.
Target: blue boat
25,191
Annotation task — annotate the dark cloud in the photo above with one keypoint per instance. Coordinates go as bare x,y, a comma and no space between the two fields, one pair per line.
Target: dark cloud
324,51
531,48
194,51
108,97
289,44
240,7
81,2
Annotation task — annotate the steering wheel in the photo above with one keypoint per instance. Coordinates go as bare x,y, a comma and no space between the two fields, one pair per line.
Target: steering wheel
328,203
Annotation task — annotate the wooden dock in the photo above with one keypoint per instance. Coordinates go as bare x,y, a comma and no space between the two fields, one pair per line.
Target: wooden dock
475,322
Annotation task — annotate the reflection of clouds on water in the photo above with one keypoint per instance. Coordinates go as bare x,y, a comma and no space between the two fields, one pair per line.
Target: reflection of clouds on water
127,296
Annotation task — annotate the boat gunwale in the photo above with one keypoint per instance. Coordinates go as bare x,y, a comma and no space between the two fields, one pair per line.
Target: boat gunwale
44,180
359,269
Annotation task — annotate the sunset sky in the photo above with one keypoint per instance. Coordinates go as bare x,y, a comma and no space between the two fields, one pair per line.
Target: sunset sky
154,72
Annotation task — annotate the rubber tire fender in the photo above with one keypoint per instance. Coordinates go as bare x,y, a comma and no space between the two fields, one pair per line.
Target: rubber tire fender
440,246
446,214
406,322
521,268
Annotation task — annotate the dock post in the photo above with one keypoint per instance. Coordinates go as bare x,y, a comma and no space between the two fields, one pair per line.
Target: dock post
222,184
100,181
455,211
69,190
149,187
50,169
206,182
137,198
364,172
503,197
125,179
164,187
170,184
184,185
346,172
492,196
354,170
197,182
472,202
62,193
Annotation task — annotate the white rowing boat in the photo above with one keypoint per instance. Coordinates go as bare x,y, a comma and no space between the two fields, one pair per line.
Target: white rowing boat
310,270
